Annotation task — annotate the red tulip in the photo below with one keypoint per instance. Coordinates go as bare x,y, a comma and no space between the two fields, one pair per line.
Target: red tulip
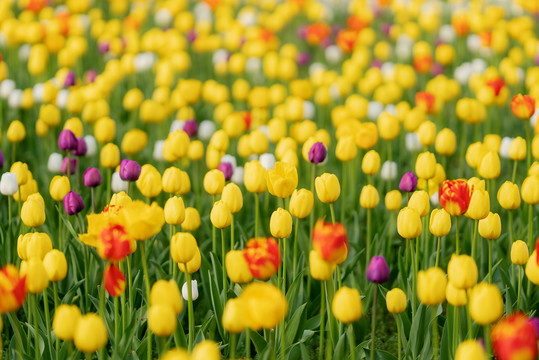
12,289
330,241
114,243
263,257
114,280
455,196
514,338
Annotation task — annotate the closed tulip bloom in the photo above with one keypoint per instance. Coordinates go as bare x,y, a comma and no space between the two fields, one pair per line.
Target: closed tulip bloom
490,227
462,271
455,196
66,319
33,211
162,320
12,288
485,303
426,133
59,187
265,305
369,197
425,166
517,149
214,182
317,153
396,301
479,205
254,177
21,170
320,269
220,215
37,279
446,142
330,241
174,211
226,169
393,200
192,219
409,223
431,285
73,203
232,197
114,280
237,267
183,247
378,270
206,350
440,222
92,178
72,162
470,349
519,252
219,140
489,166
346,149
176,354
455,296
530,190
167,293
110,156
8,184
532,268
514,337
193,265
16,131
149,181
281,223
370,164
301,203
408,182
523,106
55,265
346,305
233,319
327,188
134,141
282,180
34,244
420,201
129,170
263,257
388,126
171,180
509,196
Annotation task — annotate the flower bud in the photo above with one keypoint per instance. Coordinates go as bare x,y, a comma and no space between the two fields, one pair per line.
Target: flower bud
167,293
530,190
193,265
232,197
66,319
282,180
149,182
346,305
37,279
408,182
425,165
408,223
206,350
129,170
92,178
16,131
194,290
485,303
192,219
378,270
317,153
33,211
117,184
237,268
389,170
490,227
509,196
281,223
369,197
8,184
396,301
519,253
214,182
162,320
233,316
330,241
55,265
489,166
183,247
327,188
254,177
109,156
265,305
440,222
220,215
263,257
462,271
455,196
370,164
517,149
320,269
479,205
431,285
346,149
455,296
523,106
446,142
393,200
174,211
470,349
420,202
532,268
388,126
134,141
73,203
22,172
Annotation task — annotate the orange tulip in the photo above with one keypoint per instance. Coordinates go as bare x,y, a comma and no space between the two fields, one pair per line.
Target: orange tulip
455,196
262,256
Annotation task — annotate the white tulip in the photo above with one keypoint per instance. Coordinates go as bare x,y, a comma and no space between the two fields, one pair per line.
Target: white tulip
8,184
237,175
158,150
389,170
194,290
117,184
206,129
54,164
91,145
267,161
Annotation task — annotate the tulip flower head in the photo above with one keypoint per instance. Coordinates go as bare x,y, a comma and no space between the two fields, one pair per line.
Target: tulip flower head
69,166
73,203
129,170
378,270
114,243
92,178
67,141
455,196
226,169
318,153
408,182
346,305
330,241
514,337
114,280
263,257
12,289
523,106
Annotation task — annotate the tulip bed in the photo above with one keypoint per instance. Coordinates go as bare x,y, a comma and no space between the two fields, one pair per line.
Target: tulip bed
269,179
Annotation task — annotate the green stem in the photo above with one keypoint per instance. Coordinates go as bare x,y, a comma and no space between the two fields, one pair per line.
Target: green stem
17,330
284,266
458,236
37,354
295,258
129,283
86,277
530,226
190,312
248,343
352,340
369,232
92,199
344,193
511,230
257,212
214,239
519,286
438,251
283,341
488,347
47,319
223,254
373,319
232,234
116,320
414,278
102,313
332,213
233,340
109,178
456,318
147,283
490,261
435,336
474,239
322,320
399,336
311,215
468,318
515,164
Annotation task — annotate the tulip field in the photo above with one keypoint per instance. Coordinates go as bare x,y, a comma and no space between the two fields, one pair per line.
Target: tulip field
269,179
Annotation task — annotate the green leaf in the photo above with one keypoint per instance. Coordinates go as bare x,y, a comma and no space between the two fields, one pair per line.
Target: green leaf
292,325
258,341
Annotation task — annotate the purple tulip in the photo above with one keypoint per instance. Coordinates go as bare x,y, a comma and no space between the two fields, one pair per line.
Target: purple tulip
191,36
385,28
67,141
1,159
535,322
376,63
72,166
92,178
303,58
318,153
378,270
437,69
408,182
81,148
70,79
103,47
129,170
73,203
191,128
90,76
226,169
